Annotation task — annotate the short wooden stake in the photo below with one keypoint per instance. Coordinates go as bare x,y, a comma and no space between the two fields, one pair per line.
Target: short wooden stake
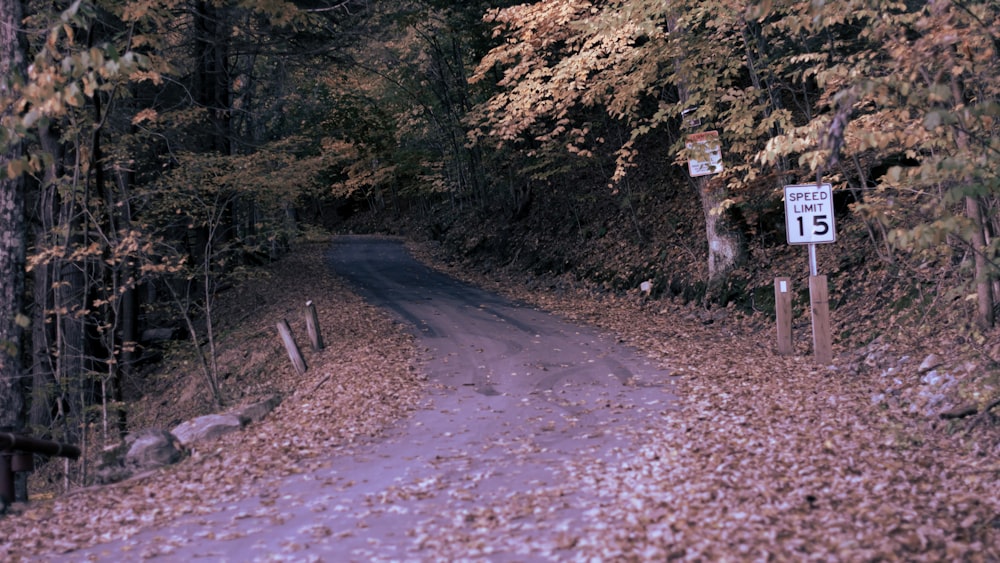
820,305
291,347
312,326
783,314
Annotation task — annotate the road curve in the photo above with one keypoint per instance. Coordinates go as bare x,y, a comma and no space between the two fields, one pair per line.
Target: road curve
515,395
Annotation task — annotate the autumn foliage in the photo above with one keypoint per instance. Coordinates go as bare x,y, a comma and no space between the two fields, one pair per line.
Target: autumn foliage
164,150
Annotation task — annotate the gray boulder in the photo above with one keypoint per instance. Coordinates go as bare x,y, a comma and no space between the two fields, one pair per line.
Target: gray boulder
152,448
257,411
206,427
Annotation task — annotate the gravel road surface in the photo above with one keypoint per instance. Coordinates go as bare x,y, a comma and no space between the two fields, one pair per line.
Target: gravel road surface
516,397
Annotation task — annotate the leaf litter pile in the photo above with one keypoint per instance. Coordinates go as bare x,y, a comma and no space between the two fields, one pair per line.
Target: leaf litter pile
765,457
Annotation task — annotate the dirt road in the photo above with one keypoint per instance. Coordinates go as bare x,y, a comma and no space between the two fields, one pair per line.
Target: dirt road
516,398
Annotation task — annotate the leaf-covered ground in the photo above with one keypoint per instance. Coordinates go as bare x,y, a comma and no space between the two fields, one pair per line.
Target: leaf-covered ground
363,380
766,456
772,456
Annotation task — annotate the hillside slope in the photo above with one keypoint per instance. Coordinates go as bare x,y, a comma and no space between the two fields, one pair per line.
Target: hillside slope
583,236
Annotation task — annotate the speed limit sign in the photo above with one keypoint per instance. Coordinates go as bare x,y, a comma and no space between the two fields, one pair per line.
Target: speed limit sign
809,214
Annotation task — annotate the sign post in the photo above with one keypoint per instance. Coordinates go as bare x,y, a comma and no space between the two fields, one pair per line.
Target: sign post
809,220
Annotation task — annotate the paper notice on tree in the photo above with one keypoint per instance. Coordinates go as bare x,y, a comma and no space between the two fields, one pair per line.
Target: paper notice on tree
704,154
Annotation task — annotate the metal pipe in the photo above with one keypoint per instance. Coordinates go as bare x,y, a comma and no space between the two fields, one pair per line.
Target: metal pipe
813,268
10,441
14,444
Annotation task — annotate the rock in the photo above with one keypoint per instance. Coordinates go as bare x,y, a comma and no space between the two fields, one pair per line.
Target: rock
930,362
111,467
152,448
932,378
206,427
112,474
257,411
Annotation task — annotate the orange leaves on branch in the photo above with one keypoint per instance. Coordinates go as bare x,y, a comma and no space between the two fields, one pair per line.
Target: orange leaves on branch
148,114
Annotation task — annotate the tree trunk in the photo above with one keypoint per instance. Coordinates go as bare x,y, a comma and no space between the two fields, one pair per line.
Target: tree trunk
129,311
974,211
12,229
44,387
984,283
725,245
42,336
212,59
71,304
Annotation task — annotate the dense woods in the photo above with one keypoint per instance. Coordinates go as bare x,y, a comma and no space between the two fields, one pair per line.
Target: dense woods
155,151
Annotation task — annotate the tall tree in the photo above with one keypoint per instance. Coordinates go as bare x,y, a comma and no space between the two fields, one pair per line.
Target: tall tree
212,77
12,226
75,74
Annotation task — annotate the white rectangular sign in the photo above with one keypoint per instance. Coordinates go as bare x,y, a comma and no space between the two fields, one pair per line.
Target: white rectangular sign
809,214
705,151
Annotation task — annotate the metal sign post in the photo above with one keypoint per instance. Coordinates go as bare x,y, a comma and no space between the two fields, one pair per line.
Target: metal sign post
809,220
813,269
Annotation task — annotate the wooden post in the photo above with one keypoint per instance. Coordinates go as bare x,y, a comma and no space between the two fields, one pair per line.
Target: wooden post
312,326
783,314
820,306
291,347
